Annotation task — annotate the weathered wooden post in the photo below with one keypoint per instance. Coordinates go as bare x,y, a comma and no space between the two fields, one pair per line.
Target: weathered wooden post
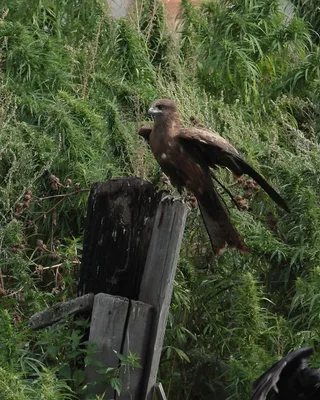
131,247
117,236
158,278
130,253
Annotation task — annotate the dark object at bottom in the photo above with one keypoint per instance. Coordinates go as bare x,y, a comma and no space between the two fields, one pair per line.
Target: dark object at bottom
289,379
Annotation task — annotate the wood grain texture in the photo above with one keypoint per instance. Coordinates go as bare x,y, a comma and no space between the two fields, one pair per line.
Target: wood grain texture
61,310
158,278
160,391
108,322
136,341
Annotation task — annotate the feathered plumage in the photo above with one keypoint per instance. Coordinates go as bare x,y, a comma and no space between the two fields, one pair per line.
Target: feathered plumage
289,379
187,156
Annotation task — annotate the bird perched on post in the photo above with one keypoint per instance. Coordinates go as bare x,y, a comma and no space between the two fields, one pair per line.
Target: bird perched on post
187,156
289,379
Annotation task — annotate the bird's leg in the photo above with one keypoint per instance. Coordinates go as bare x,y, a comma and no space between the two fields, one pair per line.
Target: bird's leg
173,198
184,197
191,199
164,179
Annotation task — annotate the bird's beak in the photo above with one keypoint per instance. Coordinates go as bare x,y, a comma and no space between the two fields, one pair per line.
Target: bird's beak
154,111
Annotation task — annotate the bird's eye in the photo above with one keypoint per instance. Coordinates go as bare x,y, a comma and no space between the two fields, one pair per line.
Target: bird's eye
160,107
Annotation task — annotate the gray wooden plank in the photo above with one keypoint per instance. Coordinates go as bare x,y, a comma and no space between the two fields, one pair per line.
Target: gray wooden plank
160,391
61,310
136,341
108,321
157,281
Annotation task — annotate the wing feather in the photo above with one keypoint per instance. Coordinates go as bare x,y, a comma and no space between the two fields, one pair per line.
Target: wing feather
217,151
145,131
267,382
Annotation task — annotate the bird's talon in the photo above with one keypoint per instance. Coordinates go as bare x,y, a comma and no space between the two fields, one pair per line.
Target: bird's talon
166,197
172,198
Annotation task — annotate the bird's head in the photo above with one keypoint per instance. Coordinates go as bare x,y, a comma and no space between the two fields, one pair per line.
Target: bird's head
163,108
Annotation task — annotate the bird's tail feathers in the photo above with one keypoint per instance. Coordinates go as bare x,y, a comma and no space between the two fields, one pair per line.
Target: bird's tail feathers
275,196
218,224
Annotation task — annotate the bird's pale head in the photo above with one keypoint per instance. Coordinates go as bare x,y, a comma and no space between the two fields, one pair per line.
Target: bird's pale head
162,109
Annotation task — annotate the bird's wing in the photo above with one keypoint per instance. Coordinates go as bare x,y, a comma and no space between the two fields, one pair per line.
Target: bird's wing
145,131
213,149
206,137
267,382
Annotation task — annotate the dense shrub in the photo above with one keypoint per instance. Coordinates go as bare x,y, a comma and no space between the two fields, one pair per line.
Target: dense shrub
75,85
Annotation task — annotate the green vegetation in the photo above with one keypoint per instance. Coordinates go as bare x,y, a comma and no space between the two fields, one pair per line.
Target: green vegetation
74,87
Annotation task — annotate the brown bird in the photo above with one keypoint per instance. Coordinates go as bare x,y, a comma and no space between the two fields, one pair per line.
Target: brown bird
187,156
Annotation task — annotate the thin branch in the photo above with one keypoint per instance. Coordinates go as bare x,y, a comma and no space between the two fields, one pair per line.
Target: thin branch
64,194
52,266
14,293
7,276
43,213
58,265
2,282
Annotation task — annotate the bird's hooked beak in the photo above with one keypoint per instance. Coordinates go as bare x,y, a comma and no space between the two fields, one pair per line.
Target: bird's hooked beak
154,110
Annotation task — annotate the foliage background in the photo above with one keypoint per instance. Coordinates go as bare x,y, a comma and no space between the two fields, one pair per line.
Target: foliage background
74,87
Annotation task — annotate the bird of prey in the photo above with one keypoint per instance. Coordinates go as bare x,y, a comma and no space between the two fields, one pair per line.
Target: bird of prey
187,156
289,379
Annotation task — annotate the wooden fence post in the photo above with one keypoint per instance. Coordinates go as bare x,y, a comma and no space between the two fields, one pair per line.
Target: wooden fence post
158,278
117,236
131,248
136,340
107,326
119,326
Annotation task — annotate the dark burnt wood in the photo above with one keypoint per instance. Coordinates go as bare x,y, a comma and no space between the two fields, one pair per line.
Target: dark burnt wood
117,236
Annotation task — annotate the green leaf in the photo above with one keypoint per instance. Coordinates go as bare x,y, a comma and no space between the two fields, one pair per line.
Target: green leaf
78,376
65,371
115,383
